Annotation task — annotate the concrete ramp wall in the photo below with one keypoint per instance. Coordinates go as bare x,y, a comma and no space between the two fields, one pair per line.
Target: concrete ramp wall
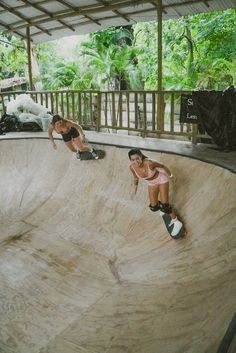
85,267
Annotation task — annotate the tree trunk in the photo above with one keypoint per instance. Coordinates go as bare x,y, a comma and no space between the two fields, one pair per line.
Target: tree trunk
35,70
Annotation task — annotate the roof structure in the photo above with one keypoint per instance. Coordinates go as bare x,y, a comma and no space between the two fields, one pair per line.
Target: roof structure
52,19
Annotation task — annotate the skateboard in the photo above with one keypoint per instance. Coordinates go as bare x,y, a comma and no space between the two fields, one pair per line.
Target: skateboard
167,220
85,156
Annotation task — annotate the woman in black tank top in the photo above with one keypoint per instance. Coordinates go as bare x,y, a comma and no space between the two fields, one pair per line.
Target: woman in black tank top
72,134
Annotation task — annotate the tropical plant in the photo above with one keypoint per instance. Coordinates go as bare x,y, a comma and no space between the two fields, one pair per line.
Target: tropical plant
111,59
198,51
13,56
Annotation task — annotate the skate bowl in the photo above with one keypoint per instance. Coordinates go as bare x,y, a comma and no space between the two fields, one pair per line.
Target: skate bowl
85,267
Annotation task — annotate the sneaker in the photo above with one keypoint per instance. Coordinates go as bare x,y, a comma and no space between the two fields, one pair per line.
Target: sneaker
78,155
94,154
177,226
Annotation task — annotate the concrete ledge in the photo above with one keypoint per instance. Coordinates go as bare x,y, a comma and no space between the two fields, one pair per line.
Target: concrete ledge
203,152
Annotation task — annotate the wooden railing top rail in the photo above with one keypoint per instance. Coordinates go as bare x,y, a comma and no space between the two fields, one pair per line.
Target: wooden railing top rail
96,91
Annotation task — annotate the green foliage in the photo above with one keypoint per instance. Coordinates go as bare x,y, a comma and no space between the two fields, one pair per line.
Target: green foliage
13,56
48,58
111,57
64,75
113,36
70,76
198,53
145,38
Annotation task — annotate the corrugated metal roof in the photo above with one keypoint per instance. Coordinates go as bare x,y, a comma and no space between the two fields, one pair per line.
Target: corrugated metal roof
52,19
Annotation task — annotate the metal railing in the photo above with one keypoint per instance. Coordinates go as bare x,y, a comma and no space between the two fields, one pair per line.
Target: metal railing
135,112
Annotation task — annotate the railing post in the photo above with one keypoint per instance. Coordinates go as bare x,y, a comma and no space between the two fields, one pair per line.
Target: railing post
99,111
113,112
160,101
144,116
194,133
160,111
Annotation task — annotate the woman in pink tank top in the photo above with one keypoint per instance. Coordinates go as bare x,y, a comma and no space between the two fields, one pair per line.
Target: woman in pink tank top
157,177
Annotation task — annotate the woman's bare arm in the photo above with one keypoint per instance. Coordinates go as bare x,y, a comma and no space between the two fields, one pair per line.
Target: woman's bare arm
154,164
50,135
135,179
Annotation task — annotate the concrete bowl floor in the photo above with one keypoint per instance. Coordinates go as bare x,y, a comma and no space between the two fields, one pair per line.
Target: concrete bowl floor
85,267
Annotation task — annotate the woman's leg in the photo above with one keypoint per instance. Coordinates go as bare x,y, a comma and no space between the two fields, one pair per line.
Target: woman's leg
81,147
70,145
153,192
164,195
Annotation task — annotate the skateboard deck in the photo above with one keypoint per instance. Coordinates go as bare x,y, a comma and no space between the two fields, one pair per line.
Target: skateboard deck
167,220
85,156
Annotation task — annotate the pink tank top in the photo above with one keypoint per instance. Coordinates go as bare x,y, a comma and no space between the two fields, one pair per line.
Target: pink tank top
151,173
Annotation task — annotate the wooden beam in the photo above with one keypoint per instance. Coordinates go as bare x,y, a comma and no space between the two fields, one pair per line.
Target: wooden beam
10,29
159,44
160,105
29,58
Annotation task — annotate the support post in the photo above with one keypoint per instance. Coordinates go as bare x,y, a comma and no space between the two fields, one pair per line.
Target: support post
160,102
29,58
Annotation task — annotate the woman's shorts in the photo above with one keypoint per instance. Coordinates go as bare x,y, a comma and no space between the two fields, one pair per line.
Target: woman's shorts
161,179
73,133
